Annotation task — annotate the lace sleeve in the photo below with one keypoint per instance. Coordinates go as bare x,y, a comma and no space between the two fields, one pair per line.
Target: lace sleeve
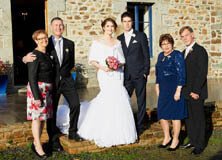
93,53
120,54
157,70
180,68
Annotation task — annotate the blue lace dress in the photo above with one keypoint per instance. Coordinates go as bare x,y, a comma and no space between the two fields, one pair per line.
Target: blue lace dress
170,73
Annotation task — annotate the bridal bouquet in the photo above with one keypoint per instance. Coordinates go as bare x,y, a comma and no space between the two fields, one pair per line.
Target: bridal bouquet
112,62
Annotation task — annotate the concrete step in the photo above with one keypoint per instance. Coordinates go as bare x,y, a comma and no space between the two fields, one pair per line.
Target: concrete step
151,136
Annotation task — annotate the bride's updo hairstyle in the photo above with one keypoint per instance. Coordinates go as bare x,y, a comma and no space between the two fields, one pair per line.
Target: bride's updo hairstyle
109,20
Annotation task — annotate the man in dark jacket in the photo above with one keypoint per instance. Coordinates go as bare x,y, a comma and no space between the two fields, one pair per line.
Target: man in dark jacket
195,89
62,51
137,67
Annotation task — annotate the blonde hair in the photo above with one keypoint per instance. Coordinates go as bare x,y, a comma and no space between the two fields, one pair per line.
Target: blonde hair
37,32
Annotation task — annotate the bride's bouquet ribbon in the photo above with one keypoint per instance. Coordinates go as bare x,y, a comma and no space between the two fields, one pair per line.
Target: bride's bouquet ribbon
112,62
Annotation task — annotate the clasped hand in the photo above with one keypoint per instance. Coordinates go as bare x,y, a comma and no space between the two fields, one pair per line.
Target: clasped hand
177,96
194,95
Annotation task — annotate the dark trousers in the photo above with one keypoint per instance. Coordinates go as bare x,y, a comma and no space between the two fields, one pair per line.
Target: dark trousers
68,90
140,89
195,123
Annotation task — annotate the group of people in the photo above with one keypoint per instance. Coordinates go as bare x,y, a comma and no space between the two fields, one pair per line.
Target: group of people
181,87
49,76
108,119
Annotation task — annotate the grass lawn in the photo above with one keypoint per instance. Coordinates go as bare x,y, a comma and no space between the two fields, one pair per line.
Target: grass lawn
213,151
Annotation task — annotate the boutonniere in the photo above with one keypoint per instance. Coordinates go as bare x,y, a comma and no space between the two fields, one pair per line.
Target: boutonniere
134,41
191,49
133,35
67,50
51,57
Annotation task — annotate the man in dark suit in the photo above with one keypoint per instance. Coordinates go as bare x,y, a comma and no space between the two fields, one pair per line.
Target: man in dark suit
61,50
135,49
195,89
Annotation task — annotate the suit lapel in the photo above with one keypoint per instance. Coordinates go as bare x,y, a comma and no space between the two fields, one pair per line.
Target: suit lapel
191,51
50,46
124,47
131,40
183,52
51,49
64,50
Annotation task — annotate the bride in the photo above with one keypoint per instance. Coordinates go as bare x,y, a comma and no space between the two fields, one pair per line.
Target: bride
107,119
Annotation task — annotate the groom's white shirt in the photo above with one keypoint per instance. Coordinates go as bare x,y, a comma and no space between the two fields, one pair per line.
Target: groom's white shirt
188,49
128,36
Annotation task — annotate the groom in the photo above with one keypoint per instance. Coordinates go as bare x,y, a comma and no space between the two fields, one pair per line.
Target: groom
61,50
135,49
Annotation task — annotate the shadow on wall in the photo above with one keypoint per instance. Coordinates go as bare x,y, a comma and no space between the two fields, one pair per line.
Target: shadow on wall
80,75
209,109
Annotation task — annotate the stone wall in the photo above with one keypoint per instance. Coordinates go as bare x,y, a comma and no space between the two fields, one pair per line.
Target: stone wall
217,116
19,134
205,16
6,52
82,19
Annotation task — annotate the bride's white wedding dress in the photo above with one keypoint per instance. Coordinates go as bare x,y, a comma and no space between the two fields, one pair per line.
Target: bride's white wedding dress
107,119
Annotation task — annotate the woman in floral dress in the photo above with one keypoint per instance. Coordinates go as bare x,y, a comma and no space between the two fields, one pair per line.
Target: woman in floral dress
39,90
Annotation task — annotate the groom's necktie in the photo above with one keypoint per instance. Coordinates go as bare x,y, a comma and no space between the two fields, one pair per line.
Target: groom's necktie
58,50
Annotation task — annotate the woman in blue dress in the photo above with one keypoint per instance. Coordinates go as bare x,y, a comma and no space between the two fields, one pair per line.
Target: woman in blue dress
170,77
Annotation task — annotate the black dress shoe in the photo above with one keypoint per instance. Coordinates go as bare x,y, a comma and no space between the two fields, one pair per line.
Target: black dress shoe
53,147
44,156
75,137
47,148
164,146
140,132
57,148
137,141
186,146
174,149
197,151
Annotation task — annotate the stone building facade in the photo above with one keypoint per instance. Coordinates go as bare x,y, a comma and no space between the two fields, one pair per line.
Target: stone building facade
82,19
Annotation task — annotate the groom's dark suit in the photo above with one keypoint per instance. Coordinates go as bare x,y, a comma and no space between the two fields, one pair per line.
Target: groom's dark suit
64,84
196,63
136,70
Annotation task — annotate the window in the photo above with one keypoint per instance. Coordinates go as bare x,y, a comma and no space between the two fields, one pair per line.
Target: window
142,13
